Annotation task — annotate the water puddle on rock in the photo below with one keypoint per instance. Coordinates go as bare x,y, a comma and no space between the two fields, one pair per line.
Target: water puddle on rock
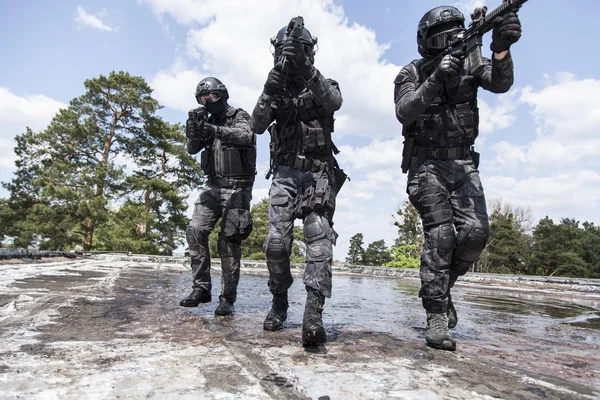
391,306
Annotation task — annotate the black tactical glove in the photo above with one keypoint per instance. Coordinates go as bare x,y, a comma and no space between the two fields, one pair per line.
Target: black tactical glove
450,67
208,130
275,82
201,130
507,31
191,131
301,64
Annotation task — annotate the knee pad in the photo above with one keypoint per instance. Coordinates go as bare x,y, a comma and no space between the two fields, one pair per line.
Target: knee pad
446,237
472,241
276,248
315,227
195,236
475,237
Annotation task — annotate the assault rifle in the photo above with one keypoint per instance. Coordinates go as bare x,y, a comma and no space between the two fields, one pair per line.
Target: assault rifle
468,43
293,32
465,45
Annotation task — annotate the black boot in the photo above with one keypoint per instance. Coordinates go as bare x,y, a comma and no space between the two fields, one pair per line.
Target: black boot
437,335
196,297
451,313
225,307
313,333
278,313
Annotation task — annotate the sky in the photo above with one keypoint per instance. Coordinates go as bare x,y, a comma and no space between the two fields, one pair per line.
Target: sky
539,142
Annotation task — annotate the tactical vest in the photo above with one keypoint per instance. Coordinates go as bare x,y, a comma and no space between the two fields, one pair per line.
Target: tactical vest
303,128
228,165
452,120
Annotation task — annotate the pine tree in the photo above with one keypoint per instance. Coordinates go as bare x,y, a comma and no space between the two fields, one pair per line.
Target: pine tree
356,251
74,176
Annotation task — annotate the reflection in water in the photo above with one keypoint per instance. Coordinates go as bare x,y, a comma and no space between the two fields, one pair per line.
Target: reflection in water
392,306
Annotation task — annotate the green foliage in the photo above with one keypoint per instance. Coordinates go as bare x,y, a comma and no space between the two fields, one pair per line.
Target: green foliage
403,257
410,228
376,254
68,183
356,252
557,249
507,247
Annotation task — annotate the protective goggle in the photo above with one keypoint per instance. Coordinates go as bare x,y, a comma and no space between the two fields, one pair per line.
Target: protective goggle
443,39
204,99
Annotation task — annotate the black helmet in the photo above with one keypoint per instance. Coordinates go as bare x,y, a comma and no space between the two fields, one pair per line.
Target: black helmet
217,103
211,85
306,38
437,27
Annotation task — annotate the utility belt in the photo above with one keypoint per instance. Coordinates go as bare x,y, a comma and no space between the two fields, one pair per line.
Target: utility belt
442,153
231,183
302,163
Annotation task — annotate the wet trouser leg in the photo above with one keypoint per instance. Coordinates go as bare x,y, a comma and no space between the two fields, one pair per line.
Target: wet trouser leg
319,237
278,246
231,254
228,245
428,192
206,214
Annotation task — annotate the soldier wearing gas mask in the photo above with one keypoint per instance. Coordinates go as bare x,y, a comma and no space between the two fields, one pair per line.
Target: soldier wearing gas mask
438,108
297,107
229,162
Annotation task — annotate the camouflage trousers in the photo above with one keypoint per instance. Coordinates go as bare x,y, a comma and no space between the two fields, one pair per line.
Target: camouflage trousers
450,200
213,203
290,198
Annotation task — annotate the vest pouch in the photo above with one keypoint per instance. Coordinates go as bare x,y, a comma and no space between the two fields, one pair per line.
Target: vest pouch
429,127
206,162
309,109
468,122
314,141
232,162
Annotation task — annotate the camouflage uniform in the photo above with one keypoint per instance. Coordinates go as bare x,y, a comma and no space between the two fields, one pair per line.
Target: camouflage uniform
305,178
229,162
443,180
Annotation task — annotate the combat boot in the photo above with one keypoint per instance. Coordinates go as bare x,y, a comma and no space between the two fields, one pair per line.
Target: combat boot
437,335
196,297
278,313
225,307
451,313
313,333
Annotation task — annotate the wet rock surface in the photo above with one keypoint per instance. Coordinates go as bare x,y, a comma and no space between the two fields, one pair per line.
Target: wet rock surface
112,328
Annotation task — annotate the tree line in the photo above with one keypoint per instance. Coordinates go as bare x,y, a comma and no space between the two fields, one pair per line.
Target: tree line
516,245
108,173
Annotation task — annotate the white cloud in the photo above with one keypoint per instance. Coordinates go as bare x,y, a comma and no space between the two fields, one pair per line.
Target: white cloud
93,21
499,117
377,154
230,40
566,112
565,107
17,113
573,194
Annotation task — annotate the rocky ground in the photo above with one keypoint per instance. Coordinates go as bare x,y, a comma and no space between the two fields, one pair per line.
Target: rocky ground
111,327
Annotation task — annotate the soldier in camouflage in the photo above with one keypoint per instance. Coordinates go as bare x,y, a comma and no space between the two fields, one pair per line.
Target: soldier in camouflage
297,107
438,109
229,162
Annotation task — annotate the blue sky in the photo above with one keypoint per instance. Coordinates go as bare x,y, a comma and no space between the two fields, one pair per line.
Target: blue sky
539,143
